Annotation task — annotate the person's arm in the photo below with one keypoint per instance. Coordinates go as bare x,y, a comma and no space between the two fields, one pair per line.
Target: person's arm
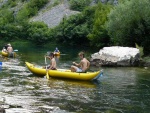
88,64
76,64
7,48
47,56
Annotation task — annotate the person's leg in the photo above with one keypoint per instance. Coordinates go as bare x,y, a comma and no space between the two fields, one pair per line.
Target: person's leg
79,70
73,69
53,68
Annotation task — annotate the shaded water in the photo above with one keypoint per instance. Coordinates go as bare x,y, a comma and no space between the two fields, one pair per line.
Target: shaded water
119,90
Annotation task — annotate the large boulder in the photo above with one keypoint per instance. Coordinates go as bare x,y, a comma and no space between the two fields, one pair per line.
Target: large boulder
116,56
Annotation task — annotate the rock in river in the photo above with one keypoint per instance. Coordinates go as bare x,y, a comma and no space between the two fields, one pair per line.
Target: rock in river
116,56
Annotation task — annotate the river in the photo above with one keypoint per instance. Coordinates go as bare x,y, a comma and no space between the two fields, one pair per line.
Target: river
119,90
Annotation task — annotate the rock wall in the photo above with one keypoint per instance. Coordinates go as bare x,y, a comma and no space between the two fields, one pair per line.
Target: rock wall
55,15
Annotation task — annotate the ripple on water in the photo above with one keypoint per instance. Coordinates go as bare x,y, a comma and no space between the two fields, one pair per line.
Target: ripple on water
120,89
18,110
12,67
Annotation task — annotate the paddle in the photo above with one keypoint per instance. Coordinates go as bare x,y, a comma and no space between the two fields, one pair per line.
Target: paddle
63,54
47,76
15,50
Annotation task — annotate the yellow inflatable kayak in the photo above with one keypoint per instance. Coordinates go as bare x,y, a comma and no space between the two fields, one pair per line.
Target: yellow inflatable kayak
63,73
56,53
5,54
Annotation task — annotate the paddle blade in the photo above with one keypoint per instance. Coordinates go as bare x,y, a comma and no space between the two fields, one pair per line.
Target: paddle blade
15,50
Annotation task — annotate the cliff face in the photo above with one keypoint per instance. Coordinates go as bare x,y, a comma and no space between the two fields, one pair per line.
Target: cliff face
52,17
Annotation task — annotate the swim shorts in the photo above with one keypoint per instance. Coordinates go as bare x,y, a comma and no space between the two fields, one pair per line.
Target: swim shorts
79,70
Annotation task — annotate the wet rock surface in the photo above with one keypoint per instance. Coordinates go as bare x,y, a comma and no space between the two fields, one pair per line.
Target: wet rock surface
2,110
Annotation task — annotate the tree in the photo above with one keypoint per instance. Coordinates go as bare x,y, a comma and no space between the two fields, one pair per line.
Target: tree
129,23
7,29
38,32
79,5
99,36
22,16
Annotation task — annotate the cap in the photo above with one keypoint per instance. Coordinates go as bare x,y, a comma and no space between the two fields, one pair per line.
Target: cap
9,44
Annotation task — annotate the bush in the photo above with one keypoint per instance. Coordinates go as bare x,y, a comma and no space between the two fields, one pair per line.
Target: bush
6,16
79,5
22,16
129,23
99,36
10,32
31,8
11,3
38,32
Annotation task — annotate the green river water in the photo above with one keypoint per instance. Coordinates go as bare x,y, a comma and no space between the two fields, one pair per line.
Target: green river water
119,90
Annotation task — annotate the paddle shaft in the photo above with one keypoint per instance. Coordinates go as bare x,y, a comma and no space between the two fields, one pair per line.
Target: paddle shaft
47,76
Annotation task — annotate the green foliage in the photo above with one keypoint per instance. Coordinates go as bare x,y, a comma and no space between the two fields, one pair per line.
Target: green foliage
22,16
31,9
140,49
146,44
87,26
14,24
10,32
6,26
79,5
129,23
37,3
24,0
6,16
56,3
38,32
99,36
11,3
74,30
146,59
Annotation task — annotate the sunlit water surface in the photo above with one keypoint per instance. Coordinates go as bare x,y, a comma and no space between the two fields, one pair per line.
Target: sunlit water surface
119,90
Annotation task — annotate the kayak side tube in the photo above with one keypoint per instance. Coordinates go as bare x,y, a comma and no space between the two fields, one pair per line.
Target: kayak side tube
99,75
